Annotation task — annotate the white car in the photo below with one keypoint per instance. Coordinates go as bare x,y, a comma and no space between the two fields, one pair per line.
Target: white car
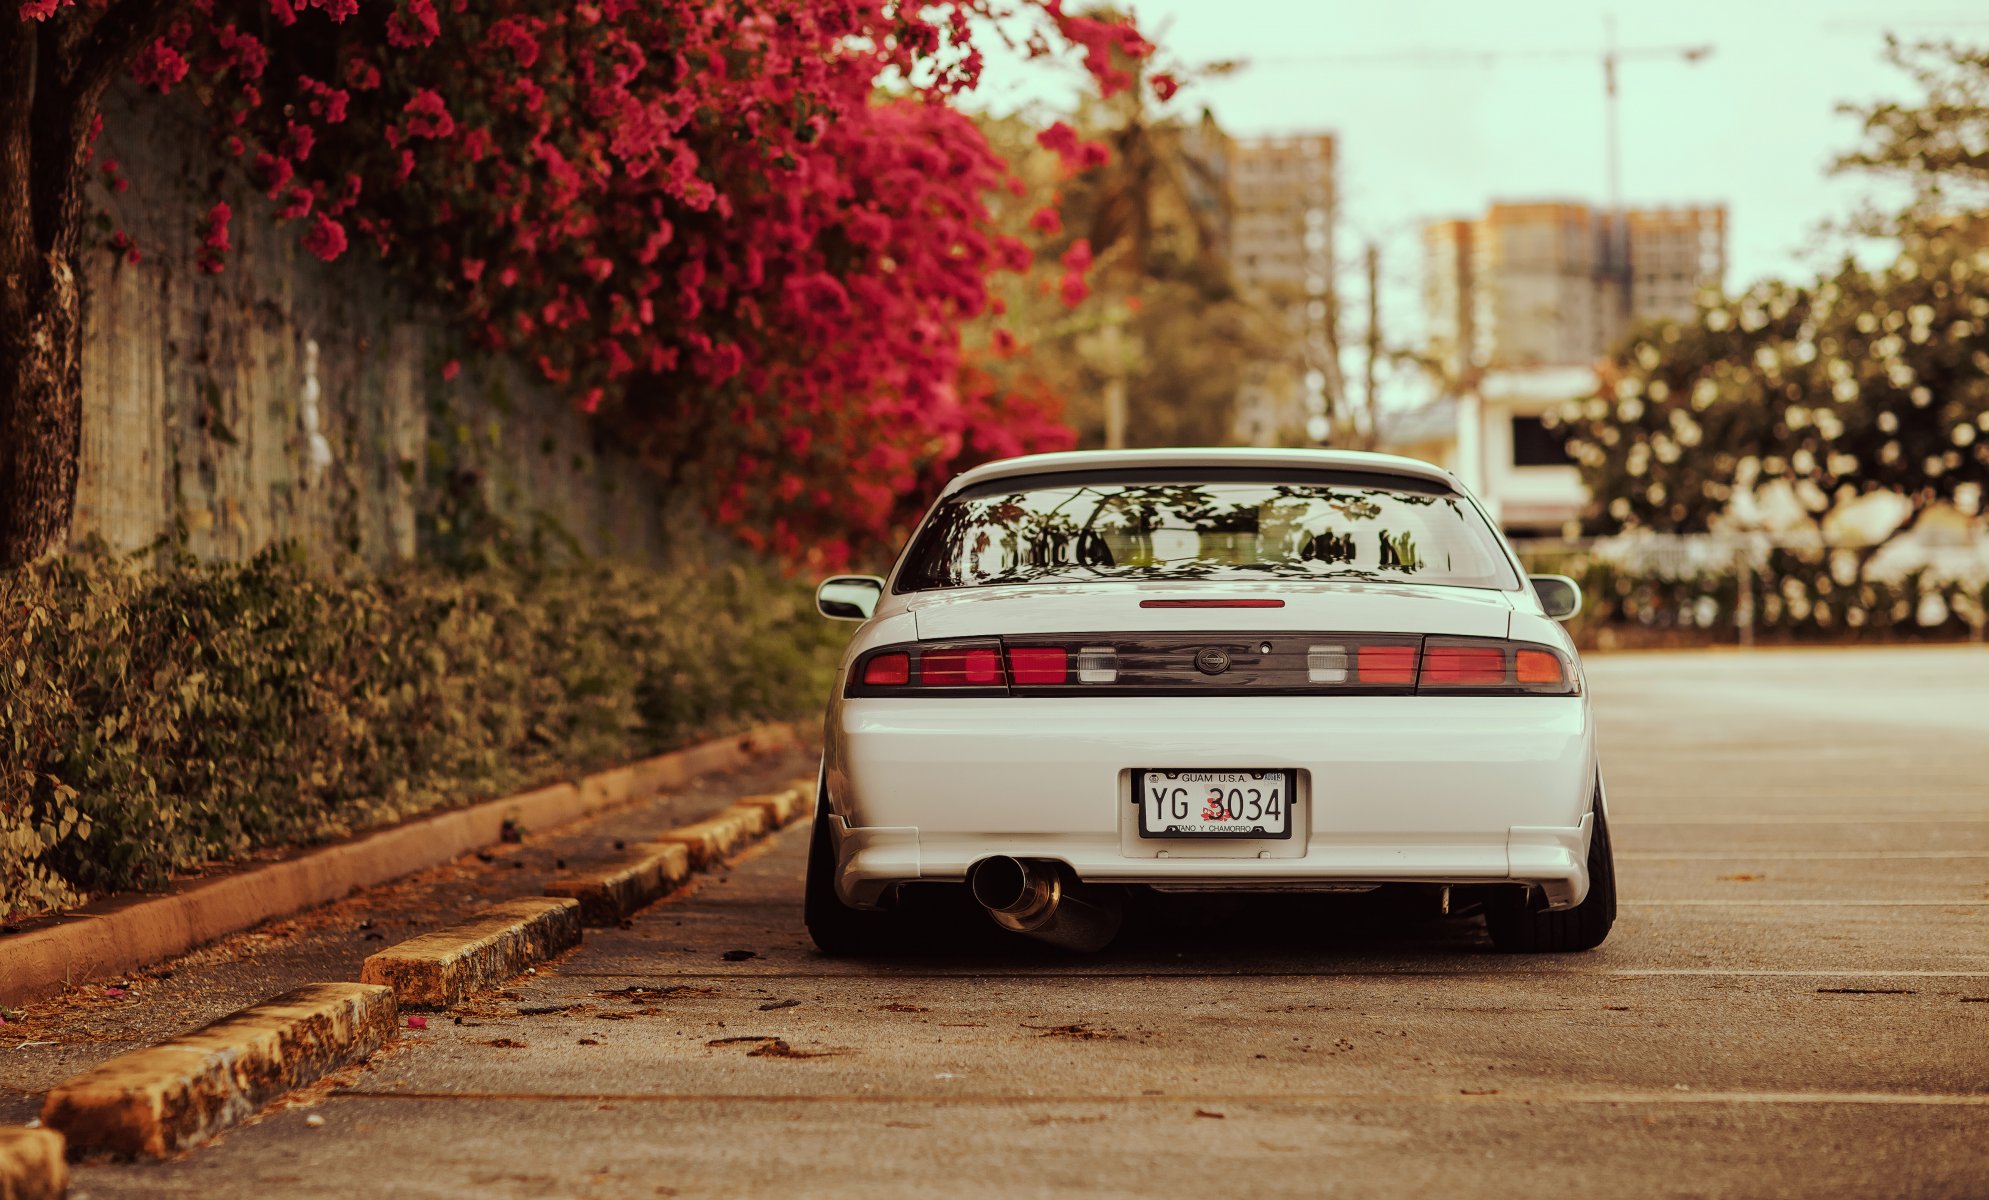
1207,670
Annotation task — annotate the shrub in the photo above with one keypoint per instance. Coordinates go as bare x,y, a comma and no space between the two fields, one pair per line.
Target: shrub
154,722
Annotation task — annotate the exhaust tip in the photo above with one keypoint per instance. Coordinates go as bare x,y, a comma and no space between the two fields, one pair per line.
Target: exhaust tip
999,883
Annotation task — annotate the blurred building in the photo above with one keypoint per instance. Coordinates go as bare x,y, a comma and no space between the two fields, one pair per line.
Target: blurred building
1279,241
1520,305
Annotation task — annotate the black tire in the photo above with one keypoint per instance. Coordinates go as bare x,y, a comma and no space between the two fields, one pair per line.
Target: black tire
839,930
1516,929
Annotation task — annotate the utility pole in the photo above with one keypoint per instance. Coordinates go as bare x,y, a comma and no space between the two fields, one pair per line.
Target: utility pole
1373,344
1112,339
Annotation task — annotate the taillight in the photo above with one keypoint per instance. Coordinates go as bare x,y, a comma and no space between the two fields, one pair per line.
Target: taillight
1539,666
905,669
888,670
1385,664
960,666
1486,665
1038,665
1463,666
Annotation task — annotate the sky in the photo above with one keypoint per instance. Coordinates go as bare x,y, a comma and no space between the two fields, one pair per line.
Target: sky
1754,125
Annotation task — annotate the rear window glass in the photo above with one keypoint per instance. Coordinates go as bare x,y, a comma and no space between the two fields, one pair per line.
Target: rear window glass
1070,530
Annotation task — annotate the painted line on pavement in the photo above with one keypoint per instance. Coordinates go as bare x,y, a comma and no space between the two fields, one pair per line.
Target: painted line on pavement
1960,818
1803,903
1360,973
1797,974
1655,1098
1797,855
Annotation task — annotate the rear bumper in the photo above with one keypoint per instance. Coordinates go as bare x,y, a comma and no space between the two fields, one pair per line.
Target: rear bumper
1410,788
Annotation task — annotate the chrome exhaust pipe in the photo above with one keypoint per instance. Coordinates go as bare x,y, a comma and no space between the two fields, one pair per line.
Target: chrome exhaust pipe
1043,900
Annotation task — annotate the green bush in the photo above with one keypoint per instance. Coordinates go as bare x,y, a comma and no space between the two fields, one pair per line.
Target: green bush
153,722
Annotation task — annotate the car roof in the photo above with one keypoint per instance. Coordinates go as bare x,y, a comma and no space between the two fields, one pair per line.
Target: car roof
1224,456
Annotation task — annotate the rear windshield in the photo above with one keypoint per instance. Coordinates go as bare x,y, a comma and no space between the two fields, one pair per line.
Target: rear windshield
1037,530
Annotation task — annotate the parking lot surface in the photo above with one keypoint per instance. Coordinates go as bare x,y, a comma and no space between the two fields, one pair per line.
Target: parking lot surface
1795,1002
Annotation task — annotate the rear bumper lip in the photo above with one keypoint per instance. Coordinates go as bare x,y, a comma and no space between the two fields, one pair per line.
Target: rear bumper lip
872,860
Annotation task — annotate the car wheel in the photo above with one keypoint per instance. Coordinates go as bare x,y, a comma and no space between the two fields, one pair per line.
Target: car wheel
1516,929
839,930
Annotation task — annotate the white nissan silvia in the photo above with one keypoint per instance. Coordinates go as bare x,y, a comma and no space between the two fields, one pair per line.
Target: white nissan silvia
1211,671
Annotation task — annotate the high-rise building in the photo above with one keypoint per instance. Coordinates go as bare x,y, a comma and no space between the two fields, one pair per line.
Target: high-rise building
1675,253
1280,246
1560,284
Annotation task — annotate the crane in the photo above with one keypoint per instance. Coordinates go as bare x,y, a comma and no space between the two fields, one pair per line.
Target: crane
1609,55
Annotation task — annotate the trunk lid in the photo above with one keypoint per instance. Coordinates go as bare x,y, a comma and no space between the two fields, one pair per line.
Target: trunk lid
1335,606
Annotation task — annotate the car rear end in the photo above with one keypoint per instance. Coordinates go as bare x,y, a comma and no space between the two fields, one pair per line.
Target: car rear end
1299,727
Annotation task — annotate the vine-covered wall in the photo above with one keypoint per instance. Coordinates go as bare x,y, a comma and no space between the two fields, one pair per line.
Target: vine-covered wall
203,391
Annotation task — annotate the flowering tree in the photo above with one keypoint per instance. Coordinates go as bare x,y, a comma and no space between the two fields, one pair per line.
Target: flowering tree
745,233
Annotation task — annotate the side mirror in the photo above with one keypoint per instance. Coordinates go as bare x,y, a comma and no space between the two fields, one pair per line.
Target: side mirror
1559,595
849,597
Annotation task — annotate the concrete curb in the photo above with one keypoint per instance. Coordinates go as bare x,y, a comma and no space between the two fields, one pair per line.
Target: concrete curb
439,969
716,836
166,1097
32,1166
124,934
613,893
784,806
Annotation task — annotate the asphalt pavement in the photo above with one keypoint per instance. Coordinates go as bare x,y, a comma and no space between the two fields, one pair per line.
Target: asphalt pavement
1795,1002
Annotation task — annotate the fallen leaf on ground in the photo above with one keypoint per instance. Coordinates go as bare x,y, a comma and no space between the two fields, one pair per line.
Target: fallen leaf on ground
417,1022
739,955
767,1047
780,1004
1203,1112
1079,1032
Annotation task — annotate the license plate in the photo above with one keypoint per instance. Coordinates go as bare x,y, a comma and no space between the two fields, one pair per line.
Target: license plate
1214,804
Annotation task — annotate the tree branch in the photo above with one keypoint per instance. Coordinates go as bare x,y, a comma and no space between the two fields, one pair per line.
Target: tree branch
125,28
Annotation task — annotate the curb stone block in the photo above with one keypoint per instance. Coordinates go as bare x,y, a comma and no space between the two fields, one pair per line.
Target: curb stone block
714,837
756,819
781,807
32,1166
179,1093
613,893
439,969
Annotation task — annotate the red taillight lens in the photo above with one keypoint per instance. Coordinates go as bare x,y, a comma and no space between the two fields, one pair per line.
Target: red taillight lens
1212,604
1038,665
1538,667
960,666
888,670
1386,664
1463,666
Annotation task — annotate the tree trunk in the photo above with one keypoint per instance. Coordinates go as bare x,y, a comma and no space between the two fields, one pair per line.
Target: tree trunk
41,408
52,76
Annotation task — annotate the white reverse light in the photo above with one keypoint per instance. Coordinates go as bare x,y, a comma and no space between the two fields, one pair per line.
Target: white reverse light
1326,664
1097,664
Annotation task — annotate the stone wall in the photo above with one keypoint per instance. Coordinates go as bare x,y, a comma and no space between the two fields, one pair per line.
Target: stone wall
199,392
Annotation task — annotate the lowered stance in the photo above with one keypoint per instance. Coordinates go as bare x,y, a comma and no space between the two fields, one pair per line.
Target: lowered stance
1207,670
